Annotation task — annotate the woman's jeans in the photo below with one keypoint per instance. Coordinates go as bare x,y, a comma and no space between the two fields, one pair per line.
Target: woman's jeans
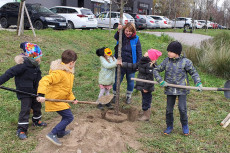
130,83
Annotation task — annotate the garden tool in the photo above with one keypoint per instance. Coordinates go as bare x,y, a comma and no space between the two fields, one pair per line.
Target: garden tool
226,88
103,99
226,121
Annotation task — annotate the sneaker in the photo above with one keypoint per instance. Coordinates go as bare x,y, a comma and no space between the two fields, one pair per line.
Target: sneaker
53,138
185,129
109,105
168,130
62,135
100,106
128,100
39,123
21,135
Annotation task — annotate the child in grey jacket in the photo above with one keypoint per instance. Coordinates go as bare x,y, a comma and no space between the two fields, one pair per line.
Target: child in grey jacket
107,73
176,69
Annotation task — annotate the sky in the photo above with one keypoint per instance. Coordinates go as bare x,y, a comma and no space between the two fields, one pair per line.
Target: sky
220,3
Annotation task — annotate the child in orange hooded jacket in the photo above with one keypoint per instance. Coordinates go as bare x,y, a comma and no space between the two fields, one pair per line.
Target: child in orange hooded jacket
58,85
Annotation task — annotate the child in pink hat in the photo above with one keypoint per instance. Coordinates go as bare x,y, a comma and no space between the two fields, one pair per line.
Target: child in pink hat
145,67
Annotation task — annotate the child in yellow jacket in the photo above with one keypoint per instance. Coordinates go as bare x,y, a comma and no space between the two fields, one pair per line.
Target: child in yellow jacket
58,85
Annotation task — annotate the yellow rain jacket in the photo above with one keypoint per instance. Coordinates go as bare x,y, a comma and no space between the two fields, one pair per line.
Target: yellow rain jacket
57,85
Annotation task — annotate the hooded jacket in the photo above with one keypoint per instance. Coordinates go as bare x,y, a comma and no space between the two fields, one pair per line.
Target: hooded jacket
145,69
176,72
57,85
107,73
27,74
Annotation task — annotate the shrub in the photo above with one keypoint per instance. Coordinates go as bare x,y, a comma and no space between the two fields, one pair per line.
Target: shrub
213,57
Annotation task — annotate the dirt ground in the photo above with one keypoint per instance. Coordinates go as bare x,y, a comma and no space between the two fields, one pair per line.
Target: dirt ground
92,134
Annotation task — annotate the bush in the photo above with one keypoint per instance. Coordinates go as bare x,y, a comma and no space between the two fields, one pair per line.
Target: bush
213,57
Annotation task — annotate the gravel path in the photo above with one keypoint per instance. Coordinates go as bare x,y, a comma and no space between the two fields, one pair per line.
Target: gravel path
189,39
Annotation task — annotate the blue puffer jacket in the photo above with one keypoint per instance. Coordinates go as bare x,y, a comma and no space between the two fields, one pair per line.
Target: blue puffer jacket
129,45
176,72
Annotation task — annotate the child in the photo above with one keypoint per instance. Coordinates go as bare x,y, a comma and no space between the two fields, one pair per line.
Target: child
176,68
145,67
27,75
58,85
107,73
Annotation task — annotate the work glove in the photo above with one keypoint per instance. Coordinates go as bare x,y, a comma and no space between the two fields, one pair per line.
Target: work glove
163,84
199,85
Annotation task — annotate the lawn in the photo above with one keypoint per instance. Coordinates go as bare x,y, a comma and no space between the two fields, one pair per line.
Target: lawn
209,32
205,110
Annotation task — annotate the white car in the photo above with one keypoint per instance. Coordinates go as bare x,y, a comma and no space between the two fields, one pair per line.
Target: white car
151,23
104,17
197,24
161,21
203,23
182,22
76,17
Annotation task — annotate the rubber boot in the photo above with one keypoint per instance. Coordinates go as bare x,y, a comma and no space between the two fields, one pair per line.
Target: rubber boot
145,116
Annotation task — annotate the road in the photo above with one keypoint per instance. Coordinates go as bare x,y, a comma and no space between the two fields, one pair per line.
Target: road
189,39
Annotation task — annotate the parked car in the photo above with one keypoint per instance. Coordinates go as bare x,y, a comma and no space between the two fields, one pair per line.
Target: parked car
161,21
182,22
151,23
140,21
203,23
104,17
41,16
76,17
197,24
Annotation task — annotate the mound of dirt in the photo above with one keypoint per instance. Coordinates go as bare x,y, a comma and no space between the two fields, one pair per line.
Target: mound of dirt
91,134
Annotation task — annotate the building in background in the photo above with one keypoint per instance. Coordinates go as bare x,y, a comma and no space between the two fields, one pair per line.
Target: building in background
97,6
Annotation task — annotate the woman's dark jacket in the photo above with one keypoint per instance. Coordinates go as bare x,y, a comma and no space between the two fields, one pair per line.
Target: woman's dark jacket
145,69
126,50
27,76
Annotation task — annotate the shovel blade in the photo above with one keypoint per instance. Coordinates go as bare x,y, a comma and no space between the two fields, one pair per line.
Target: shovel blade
227,93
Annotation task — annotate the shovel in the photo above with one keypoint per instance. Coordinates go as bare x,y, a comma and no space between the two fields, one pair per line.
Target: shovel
103,99
226,88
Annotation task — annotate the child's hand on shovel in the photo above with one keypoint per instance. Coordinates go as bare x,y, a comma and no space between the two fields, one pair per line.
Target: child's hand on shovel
75,101
41,99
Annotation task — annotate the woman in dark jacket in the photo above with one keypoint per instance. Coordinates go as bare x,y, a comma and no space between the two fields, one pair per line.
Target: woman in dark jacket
131,53
145,67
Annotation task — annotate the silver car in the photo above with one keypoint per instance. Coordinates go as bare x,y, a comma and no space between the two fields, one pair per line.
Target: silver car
151,23
104,17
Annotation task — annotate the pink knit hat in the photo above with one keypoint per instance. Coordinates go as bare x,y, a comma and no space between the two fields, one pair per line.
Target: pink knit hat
154,54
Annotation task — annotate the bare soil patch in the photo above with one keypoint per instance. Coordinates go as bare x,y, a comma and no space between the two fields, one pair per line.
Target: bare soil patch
90,133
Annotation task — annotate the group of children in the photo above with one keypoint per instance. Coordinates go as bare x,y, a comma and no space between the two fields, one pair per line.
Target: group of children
58,84
176,69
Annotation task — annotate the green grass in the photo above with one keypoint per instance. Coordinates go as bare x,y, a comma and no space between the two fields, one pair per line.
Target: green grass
209,32
205,110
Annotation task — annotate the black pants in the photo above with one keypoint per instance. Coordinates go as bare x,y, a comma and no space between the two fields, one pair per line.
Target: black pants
146,100
26,105
182,106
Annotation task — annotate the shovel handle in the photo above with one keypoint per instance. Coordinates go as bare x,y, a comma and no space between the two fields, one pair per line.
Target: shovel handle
184,87
53,100
71,101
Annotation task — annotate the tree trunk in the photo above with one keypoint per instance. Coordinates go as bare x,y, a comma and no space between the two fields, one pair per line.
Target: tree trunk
119,57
